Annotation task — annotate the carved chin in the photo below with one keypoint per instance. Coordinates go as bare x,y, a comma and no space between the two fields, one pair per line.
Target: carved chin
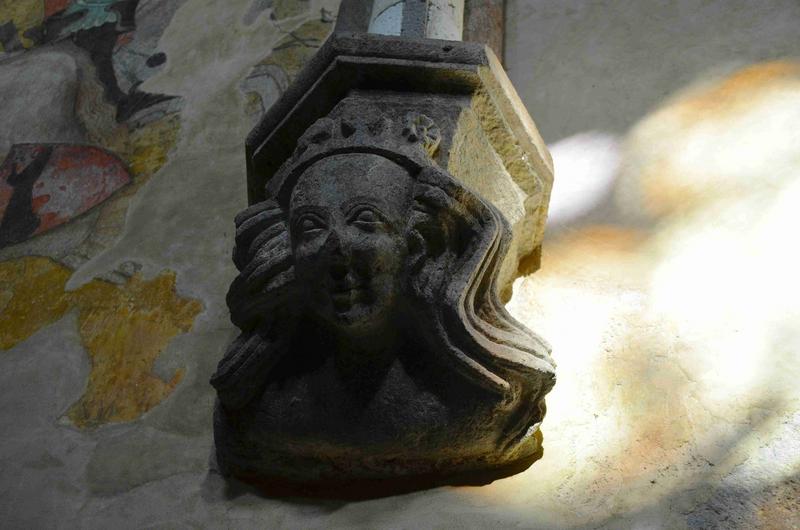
357,315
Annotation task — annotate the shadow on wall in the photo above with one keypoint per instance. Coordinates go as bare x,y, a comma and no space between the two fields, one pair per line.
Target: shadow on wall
668,290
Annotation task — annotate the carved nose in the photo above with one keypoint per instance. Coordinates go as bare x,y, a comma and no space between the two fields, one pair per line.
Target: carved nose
338,261
334,244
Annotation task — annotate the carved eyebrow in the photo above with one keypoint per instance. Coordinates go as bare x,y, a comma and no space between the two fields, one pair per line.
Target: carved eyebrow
361,200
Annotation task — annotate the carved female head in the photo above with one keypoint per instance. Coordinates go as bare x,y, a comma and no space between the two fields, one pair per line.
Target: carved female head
347,225
362,227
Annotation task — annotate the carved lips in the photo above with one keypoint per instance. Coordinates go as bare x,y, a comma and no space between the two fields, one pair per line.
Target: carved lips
345,298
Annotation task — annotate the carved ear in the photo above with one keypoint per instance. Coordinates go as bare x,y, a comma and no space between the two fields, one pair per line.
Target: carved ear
439,231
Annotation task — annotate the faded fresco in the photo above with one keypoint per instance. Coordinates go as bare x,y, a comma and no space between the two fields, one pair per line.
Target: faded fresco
77,150
667,289
79,140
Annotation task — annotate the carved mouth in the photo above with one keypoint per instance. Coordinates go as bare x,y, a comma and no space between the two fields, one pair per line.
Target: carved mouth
344,299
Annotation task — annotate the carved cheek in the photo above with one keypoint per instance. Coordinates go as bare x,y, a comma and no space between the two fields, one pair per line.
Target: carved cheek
308,254
380,254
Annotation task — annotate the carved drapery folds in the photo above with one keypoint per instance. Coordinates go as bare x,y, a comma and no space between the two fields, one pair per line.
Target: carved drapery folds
374,344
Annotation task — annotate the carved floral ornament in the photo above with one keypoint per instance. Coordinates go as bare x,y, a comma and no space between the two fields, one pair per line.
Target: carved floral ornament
373,344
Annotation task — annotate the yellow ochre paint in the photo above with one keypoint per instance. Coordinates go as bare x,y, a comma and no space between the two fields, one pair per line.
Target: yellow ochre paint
25,14
124,328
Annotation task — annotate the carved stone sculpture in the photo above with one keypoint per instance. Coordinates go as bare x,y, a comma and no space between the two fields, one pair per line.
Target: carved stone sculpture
374,346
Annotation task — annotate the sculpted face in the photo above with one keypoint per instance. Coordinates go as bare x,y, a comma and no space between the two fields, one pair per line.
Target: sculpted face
347,218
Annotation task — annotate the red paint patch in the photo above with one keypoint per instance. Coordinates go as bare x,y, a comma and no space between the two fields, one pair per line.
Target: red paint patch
52,219
38,201
51,7
124,39
5,196
74,179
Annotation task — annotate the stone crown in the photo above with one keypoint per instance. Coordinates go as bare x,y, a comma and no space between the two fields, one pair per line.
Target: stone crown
412,142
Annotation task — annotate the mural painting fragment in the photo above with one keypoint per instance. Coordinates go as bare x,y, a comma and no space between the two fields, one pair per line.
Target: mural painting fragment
269,78
107,30
44,186
124,329
18,18
51,7
93,14
288,8
112,136
73,186
111,48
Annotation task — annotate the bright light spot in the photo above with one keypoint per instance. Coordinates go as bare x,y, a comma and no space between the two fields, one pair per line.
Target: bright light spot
677,342
585,167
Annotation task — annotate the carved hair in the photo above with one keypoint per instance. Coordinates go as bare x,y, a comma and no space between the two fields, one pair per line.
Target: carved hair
456,241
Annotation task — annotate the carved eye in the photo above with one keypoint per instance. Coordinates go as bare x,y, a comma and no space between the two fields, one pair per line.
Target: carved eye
309,225
367,218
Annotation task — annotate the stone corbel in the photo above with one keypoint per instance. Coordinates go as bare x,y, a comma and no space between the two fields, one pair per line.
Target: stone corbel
397,189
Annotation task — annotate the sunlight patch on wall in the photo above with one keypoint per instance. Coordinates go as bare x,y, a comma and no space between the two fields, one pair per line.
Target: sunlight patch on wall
585,165
676,338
